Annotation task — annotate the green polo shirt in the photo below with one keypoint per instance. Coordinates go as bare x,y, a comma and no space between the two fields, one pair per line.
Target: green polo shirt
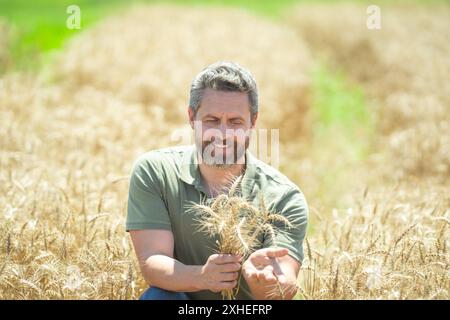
164,181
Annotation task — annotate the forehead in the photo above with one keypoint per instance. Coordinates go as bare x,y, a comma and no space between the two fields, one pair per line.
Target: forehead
230,102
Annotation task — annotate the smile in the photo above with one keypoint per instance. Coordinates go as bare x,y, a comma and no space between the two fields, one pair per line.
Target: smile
221,146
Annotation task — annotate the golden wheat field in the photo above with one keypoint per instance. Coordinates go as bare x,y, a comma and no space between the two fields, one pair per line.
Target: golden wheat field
378,229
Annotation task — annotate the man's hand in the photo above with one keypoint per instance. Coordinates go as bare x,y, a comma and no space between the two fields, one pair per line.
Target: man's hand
220,272
263,272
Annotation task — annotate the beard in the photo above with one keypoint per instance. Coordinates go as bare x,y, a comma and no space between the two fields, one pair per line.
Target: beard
232,153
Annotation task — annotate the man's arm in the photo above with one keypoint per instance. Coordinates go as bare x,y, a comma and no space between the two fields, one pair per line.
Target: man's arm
269,268
154,250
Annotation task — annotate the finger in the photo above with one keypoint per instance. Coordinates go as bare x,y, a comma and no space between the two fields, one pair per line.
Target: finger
254,277
276,252
260,276
265,256
266,276
260,259
229,267
269,276
225,258
251,274
268,268
229,276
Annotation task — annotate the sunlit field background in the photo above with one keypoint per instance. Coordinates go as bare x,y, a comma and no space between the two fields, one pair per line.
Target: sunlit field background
364,119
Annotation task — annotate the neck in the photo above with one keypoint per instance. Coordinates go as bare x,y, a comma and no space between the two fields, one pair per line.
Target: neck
215,179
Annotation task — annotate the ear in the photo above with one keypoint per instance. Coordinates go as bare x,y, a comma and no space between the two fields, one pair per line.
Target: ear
191,116
253,120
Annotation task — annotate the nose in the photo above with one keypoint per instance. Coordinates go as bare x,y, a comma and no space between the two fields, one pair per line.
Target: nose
226,133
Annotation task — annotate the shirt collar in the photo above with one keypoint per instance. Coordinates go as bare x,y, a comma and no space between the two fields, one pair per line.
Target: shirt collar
190,172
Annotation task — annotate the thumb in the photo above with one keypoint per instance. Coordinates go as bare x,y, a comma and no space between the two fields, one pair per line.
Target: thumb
276,252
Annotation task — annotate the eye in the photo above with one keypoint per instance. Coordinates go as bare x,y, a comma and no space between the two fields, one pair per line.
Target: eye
236,121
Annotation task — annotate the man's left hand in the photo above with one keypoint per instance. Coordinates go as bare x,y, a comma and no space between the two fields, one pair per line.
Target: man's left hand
262,271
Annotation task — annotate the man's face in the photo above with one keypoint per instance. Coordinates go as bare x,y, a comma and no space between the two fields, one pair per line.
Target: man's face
222,127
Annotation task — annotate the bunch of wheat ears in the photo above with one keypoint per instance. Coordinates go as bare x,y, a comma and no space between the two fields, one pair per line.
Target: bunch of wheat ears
238,224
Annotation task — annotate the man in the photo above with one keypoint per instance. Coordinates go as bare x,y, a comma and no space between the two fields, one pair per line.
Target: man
176,260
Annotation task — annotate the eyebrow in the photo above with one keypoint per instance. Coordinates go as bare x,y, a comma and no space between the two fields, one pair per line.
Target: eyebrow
213,116
209,116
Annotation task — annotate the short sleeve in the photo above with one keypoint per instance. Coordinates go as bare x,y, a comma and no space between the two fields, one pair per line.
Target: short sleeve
146,207
294,207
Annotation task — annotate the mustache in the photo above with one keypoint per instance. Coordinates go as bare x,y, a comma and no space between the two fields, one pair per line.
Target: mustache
220,141
234,143
233,150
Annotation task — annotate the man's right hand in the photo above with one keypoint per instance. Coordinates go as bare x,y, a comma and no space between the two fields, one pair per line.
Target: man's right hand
220,272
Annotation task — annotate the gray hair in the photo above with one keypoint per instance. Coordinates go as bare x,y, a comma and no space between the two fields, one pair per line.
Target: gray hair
224,76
